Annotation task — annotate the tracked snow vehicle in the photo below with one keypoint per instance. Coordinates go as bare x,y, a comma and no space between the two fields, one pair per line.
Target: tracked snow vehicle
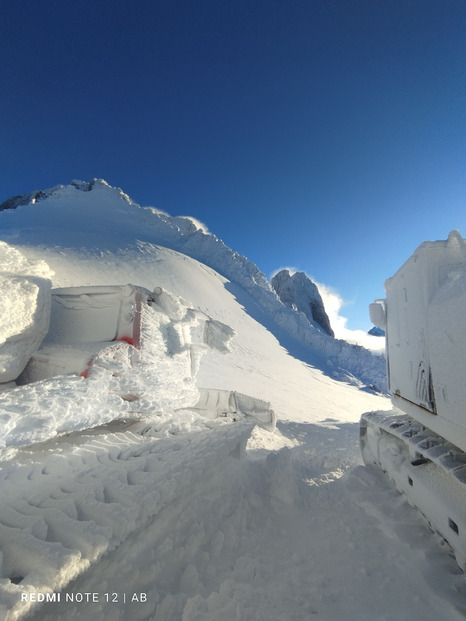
421,443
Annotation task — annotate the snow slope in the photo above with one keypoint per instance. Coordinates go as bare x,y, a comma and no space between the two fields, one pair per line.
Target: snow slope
164,514
65,219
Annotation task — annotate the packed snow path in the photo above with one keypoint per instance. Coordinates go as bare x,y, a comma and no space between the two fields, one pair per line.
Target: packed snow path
68,502
293,534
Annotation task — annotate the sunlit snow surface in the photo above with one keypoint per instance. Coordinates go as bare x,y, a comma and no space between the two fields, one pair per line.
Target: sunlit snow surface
171,515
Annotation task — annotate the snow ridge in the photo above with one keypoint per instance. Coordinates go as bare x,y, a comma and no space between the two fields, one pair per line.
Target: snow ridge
39,195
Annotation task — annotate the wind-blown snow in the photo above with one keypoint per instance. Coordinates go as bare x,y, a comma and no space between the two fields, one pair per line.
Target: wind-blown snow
334,306
161,513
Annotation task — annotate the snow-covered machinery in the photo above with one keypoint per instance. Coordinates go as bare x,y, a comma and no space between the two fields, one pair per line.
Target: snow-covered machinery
139,349
421,443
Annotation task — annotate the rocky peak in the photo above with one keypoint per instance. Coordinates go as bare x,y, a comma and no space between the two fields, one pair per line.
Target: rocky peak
298,291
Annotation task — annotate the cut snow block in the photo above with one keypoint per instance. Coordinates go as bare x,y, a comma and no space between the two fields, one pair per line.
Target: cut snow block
24,321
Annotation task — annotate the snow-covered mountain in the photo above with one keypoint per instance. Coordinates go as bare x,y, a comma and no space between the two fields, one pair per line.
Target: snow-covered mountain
298,291
150,486
107,223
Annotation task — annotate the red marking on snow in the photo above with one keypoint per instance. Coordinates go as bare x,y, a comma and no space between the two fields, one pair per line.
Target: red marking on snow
134,340
85,373
127,339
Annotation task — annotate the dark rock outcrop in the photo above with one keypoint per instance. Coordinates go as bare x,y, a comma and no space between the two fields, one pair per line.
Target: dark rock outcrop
299,292
376,332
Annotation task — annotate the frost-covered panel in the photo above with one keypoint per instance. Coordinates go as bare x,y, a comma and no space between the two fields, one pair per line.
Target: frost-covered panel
408,353
85,314
447,341
426,301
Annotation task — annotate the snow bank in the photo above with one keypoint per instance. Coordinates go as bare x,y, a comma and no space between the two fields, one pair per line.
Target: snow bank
207,248
97,382
25,309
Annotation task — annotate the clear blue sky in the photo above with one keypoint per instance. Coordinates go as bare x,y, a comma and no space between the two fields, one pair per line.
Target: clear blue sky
327,135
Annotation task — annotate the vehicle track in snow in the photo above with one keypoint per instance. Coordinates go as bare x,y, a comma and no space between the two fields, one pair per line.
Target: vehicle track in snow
68,502
299,533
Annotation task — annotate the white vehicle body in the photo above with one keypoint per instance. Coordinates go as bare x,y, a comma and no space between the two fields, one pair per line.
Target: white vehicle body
421,444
